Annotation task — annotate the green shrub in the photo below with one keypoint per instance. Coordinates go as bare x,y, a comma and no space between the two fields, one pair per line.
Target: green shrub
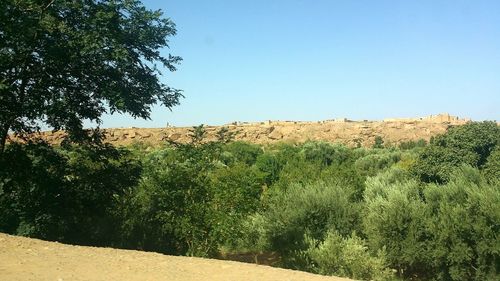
253,235
297,172
170,210
463,227
326,154
379,142
491,169
310,209
408,145
346,176
469,144
235,193
270,165
372,164
346,257
395,219
244,152
438,232
64,194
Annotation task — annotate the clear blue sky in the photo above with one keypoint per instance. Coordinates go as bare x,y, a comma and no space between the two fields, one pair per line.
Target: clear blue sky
312,60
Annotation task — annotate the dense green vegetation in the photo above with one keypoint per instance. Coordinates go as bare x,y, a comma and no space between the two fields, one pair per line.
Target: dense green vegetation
414,212
417,211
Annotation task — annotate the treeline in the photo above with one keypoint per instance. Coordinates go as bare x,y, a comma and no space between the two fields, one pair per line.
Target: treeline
414,212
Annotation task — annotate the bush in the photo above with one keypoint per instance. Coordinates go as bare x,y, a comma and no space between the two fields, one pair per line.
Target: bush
439,232
325,154
346,257
169,212
463,226
269,164
346,176
408,145
34,198
469,144
394,219
235,193
64,194
379,142
310,209
244,152
372,164
297,172
491,169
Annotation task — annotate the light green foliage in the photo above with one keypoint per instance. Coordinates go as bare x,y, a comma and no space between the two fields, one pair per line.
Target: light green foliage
253,235
408,159
374,163
268,163
346,257
408,145
242,152
463,225
447,232
172,212
315,161
346,176
394,219
235,193
378,185
297,172
325,154
310,209
312,204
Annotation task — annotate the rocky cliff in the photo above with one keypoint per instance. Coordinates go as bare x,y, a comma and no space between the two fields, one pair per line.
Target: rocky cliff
352,133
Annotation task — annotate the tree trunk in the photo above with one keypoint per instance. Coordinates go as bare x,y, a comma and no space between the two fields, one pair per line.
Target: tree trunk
4,133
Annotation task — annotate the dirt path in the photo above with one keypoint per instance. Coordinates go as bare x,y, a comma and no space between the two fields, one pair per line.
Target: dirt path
32,259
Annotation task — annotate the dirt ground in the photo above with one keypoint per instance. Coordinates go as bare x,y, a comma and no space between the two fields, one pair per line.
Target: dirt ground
32,259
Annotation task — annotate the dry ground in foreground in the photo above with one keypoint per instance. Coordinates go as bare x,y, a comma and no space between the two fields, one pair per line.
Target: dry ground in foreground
32,259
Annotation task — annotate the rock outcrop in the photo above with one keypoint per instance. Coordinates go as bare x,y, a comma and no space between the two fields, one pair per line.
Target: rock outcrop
351,133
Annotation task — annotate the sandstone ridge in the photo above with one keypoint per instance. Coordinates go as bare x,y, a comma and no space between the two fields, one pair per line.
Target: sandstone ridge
342,130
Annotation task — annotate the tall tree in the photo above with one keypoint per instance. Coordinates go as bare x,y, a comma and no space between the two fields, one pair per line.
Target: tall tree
64,61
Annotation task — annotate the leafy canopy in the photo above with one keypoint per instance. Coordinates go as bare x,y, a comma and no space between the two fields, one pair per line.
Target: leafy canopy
62,62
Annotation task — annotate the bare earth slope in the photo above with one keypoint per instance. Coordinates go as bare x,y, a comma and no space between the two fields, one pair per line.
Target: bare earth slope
32,259
352,133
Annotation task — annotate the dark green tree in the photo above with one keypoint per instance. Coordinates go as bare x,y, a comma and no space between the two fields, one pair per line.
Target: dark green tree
379,142
62,62
64,194
491,169
244,152
469,144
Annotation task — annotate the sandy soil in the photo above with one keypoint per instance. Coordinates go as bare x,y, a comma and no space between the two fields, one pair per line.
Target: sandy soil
32,259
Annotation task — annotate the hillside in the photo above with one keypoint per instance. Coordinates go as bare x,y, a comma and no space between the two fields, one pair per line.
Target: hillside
352,133
32,259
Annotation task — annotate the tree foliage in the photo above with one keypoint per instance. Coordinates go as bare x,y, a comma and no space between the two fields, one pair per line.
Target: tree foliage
62,62
364,213
63,194
468,144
